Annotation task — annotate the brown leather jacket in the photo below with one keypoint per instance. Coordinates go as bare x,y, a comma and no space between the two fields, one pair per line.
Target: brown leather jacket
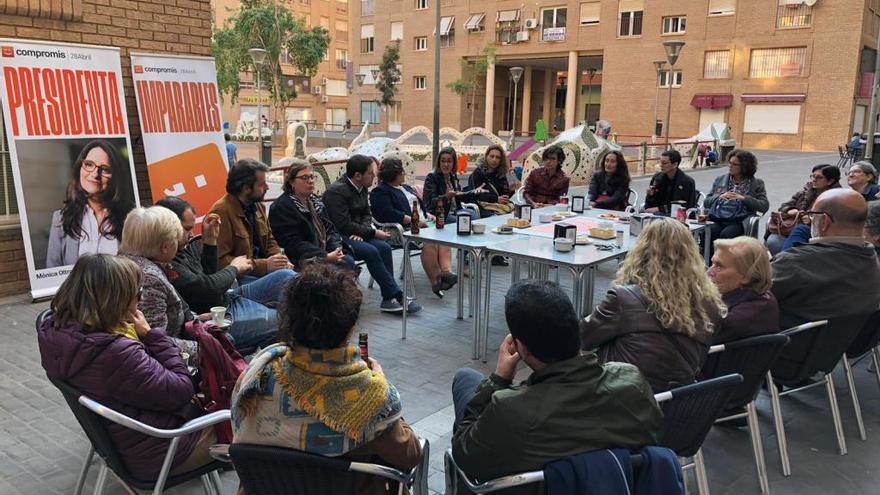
622,329
235,235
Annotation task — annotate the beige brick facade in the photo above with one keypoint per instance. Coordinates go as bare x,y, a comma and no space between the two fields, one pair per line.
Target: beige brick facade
833,40
159,26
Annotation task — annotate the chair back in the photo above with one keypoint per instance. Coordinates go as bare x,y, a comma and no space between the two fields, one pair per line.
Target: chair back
816,349
690,411
265,470
751,358
632,198
867,339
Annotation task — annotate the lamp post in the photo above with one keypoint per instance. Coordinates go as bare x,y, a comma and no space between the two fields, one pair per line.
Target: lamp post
258,55
658,67
673,50
435,141
515,74
591,72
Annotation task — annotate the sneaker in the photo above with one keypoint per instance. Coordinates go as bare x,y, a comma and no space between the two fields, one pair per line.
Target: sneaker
391,306
413,307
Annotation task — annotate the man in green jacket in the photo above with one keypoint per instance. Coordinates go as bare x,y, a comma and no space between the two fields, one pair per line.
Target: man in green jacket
570,404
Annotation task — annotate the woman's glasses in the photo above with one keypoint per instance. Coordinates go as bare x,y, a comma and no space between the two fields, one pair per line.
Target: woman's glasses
103,170
307,178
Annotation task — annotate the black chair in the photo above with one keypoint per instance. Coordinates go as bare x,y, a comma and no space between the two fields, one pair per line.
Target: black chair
94,418
815,348
864,345
688,414
265,470
751,358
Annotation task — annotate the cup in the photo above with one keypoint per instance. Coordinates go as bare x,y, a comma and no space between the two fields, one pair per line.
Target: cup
563,200
478,228
702,217
545,217
620,238
218,316
563,244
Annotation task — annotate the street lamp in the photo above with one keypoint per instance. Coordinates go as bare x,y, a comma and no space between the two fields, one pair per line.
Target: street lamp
515,74
658,66
259,57
591,72
673,50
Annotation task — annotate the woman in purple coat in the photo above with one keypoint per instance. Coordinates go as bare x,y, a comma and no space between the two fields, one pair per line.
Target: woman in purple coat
97,341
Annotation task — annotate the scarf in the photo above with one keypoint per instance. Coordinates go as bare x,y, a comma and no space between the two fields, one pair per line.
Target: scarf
332,386
313,207
127,330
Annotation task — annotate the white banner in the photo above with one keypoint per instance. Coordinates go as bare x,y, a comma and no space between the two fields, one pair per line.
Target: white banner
64,110
179,112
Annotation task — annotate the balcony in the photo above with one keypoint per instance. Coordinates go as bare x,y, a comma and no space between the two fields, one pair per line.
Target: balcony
341,64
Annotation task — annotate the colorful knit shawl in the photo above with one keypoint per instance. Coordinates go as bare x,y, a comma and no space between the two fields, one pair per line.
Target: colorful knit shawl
333,386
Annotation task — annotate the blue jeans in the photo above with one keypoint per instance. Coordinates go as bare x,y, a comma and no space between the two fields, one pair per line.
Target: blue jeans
464,386
377,254
800,234
253,323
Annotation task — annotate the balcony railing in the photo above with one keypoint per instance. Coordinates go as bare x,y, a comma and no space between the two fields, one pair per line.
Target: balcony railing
790,16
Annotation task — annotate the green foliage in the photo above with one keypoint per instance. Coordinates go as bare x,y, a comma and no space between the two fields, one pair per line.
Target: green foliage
389,74
269,25
473,72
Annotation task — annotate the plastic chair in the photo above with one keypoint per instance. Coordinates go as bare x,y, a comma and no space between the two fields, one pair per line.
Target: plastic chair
864,345
632,198
815,347
265,470
688,414
93,417
751,358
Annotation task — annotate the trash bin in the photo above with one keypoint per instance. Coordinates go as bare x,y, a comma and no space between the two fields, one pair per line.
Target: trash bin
725,150
462,164
266,152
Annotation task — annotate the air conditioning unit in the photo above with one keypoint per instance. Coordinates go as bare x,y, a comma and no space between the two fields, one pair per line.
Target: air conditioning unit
522,36
531,24
316,90
325,99
323,81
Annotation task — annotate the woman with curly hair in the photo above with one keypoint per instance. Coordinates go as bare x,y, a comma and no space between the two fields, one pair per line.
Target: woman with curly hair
609,187
661,311
99,196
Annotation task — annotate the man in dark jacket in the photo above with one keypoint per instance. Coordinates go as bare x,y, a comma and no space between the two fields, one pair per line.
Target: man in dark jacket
570,404
837,273
670,185
347,202
203,285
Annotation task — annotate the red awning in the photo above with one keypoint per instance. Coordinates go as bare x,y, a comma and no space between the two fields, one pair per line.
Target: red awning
774,98
712,101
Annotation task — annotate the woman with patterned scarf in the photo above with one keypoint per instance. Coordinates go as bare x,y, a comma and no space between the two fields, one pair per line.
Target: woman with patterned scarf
314,393
300,222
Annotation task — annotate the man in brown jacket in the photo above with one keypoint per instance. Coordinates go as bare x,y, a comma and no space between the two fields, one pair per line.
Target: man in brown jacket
244,231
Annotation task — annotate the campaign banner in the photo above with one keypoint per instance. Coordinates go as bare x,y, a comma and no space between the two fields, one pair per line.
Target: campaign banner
179,110
64,113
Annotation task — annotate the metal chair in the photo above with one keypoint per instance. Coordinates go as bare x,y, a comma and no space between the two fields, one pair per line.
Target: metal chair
864,345
396,231
751,358
815,347
751,225
94,417
265,470
688,414
632,198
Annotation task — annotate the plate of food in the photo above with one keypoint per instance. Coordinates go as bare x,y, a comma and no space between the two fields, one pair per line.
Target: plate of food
518,223
609,216
604,234
503,230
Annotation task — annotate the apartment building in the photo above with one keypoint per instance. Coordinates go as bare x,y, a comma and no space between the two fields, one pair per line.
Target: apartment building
321,99
784,74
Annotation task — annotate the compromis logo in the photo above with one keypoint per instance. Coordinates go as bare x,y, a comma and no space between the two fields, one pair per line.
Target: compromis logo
138,69
161,70
41,53
7,51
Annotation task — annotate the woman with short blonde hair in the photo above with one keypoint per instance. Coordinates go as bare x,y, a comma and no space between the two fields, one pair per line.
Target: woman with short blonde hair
661,310
150,232
741,270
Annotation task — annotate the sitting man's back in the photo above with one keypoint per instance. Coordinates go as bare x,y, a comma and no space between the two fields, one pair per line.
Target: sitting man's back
837,273
569,405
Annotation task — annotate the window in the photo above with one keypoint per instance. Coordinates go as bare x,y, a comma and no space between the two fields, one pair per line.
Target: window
722,7
590,13
674,25
553,24
421,4
777,62
421,43
676,79
370,112
793,14
336,87
325,23
368,7
420,82
772,119
367,38
506,26
397,31
630,24
717,65
447,32
475,23
342,31
341,58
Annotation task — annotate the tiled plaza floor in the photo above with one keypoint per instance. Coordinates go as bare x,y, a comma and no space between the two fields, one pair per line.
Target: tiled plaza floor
41,446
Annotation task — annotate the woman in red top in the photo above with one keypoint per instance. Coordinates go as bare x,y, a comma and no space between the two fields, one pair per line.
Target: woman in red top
545,185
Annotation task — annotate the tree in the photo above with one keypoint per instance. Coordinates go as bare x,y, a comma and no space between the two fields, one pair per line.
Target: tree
389,74
473,72
271,26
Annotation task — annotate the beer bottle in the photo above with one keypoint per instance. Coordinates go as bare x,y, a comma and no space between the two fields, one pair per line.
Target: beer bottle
362,345
415,218
441,215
